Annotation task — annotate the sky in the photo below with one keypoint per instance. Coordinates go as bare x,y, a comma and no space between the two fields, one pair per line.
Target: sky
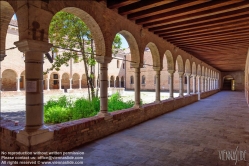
124,42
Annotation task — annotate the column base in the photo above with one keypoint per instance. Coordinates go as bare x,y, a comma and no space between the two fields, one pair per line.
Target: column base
136,106
31,138
106,115
157,101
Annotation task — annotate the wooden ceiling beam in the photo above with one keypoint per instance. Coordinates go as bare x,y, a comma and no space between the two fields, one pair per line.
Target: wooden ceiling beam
164,8
200,21
212,38
119,3
213,35
191,11
204,26
235,28
203,14
142,5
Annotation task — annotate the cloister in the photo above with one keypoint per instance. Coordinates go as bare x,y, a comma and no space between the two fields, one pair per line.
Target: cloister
204,61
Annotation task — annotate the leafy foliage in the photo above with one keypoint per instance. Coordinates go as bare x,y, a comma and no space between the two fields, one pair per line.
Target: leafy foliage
64,109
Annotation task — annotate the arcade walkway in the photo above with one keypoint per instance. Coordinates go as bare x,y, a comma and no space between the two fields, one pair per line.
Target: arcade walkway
190,136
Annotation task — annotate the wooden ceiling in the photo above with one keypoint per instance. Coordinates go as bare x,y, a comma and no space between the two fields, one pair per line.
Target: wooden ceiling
215,31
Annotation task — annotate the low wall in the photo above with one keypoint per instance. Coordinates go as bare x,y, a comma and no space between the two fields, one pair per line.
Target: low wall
74,133
209,93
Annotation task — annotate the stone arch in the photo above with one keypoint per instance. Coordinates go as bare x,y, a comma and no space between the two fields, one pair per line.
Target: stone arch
6,14
194,70
199,70
227,82
75,81
83,81
9,82
180,64
143,81
203,71
54,80
131,79
112,81
91,24
170,61
134,50
65,82
117,82
122,81
187,67
155,54
22,80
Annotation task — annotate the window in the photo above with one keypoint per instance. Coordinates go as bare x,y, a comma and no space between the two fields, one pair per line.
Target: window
131,80
117,63
55,76
143,79
123,65
185,80
144,64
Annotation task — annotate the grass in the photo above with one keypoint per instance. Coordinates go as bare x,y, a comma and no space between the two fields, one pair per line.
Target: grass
65,109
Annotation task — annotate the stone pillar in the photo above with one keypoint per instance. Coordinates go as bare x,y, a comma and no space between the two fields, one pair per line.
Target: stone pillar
137,87
157,85
18,84
188,83
34,51
203,84
194,83
60,84
80,84
70,83
47,83
199,84
103,78
171,83
180,84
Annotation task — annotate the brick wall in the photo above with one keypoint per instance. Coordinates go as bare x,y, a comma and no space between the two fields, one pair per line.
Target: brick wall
74,133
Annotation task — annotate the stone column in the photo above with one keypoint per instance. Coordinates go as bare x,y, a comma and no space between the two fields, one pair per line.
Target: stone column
157,85
47,83
199,84
18,84
203,84
80,84
194,83
188,83
180,84
70,83
171,83
34,51
60,84
137,84
103,78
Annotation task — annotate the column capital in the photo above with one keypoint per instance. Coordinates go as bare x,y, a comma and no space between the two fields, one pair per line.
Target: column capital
2,56
171,71
157,68
136,65
180,73
103,59
33,45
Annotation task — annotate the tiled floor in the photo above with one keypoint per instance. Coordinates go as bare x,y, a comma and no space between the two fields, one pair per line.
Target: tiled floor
190,136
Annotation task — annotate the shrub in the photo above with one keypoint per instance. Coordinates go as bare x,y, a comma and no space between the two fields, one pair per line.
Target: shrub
64,109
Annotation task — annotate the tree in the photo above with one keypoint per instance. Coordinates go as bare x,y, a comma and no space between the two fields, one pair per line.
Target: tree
71,33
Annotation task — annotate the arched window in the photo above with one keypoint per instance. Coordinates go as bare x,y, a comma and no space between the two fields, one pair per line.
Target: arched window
117,63
132,80
143,79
